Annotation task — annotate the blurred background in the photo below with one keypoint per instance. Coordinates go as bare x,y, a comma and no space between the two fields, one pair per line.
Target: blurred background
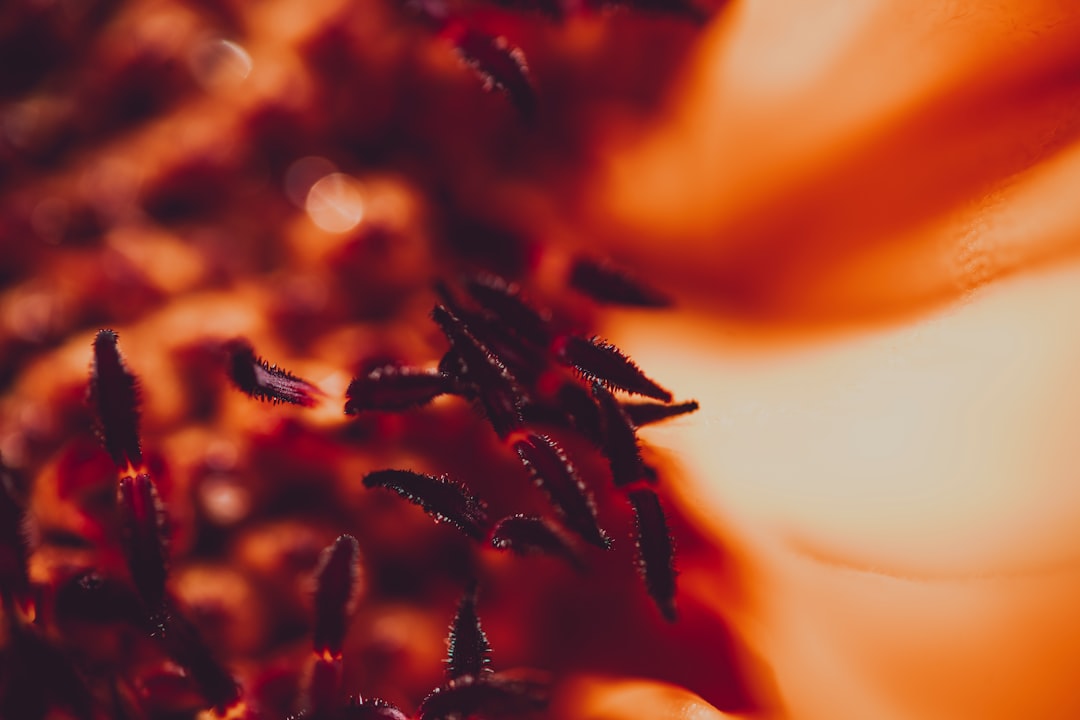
301,174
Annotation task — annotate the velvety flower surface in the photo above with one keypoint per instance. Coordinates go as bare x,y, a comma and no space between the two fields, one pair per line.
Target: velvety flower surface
847,234
870,208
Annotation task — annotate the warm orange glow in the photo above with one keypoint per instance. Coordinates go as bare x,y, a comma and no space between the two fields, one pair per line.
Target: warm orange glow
303,174
335,203
237,711
219,64
609,699
29,611
871,210
889,490
865,211
825,163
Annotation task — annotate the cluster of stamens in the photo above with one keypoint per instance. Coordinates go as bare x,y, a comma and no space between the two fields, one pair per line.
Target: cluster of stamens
532,382
167,580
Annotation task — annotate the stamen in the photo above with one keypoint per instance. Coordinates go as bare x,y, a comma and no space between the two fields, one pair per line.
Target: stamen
336,587
142,523
500,66
262,381
606,284
440,497
114,399
603,362
487,696
647,413
395,387
656,550
469,649
553,473
620,443
525,535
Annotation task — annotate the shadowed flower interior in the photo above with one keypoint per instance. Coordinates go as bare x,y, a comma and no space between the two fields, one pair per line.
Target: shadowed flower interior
710,358
202,182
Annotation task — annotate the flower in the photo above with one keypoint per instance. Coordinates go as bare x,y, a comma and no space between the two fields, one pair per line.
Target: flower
864,212
869,210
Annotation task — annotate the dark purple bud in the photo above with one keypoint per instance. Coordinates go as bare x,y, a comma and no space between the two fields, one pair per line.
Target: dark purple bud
524,535
493,384
500,65
553,473
262,381
336,585
603,362
142,525
647,413
395,387
114,399
607,284
468,645
620,443
656,550
184,645
504,301
370,709
489,696
441,497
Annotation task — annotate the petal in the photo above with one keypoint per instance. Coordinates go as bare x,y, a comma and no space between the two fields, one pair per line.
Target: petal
603,699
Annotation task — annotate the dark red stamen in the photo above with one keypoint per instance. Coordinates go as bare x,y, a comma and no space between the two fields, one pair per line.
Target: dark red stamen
183,643
468,645
504,300
262,381
114,399
647,413
520,357
603,362
142,524
569,406
395,387
553,473
524,535
499,64
487,696
607,284
494,385
581,410
324,686
441,497
656,550
620,443
336,586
